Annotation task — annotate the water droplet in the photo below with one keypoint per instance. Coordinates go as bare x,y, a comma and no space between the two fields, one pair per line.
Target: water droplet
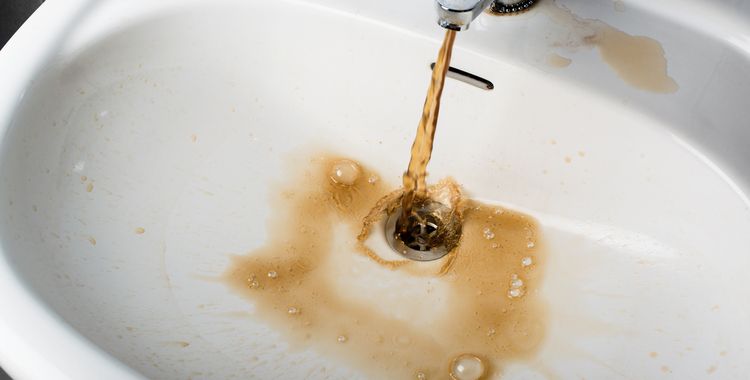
515,284
527,261
494,245
530,244
488,234
293,310
252,282
372,179
272,274
79,166
467,367
491,332
344,172
342,339
421,376
499,211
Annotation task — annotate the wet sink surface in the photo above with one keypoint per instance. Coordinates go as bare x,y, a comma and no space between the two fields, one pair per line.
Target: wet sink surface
149,152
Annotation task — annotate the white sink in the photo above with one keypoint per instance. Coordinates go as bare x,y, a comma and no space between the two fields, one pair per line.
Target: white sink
143,140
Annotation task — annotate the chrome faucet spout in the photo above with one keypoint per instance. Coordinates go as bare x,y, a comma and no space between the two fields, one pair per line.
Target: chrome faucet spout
458,14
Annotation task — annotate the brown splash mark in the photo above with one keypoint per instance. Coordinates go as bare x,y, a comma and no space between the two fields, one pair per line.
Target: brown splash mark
558,61
638,60
292,282
179,343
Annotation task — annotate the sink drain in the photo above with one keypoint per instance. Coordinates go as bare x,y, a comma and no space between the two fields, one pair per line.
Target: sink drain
431,231
509,7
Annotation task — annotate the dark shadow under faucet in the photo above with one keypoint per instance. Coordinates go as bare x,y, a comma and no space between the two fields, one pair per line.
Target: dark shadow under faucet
458,14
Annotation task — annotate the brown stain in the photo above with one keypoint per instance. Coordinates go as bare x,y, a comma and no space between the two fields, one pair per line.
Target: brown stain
90,187
639,61
140,231
297,286
179,343
558,61
653,355
92,240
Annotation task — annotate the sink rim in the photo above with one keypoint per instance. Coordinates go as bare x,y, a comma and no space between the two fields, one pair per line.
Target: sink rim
37,342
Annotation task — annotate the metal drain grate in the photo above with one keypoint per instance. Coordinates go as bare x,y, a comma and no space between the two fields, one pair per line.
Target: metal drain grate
430,233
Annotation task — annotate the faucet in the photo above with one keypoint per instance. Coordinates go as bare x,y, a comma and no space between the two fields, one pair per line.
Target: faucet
458,14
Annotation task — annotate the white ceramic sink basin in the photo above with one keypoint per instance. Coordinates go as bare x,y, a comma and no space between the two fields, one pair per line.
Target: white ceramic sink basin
143,143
